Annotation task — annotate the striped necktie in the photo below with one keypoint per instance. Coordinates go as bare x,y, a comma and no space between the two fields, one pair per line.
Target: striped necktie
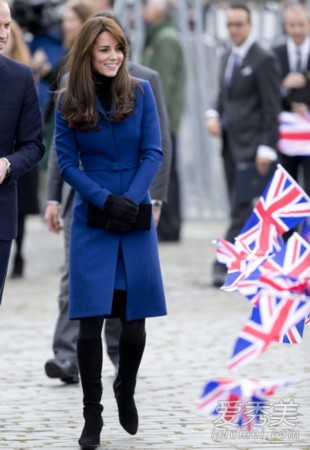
234,69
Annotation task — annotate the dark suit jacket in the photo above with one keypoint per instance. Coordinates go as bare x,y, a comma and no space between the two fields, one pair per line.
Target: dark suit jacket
251,106
301,95
20,135
59,191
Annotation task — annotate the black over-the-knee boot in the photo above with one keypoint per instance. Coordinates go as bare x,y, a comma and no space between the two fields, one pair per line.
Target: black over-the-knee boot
130,355
89,353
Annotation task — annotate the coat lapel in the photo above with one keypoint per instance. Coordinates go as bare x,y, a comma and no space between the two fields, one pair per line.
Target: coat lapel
247,62
223,71
286,65
100,108
2,76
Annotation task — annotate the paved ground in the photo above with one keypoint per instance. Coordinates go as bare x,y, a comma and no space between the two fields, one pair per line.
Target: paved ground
184,350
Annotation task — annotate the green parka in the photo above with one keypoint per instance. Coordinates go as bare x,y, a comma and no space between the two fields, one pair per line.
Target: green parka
163,52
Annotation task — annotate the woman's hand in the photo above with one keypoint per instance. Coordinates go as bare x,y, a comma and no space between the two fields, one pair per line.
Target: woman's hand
121,207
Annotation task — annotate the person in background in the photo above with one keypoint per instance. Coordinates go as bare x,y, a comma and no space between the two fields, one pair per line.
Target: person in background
21,145
27,185
59,206
75,13
108,146
40,21
100,5
245,115
64,365
164,53
294,58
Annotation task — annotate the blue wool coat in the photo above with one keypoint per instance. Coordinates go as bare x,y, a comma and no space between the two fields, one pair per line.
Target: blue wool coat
120,158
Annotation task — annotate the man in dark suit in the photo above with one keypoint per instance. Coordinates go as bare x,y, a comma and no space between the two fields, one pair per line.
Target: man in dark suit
64,364
20,137
294,57
245,115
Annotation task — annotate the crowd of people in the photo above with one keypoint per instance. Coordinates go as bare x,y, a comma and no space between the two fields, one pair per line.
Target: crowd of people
256,84
110,131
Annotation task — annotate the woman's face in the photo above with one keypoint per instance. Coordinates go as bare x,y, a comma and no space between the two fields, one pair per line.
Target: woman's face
107,55
71,25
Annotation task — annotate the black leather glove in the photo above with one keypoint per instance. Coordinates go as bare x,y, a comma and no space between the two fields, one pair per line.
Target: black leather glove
121,207
116,225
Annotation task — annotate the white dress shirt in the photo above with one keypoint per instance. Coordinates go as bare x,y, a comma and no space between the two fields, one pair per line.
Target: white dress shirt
240,52
292,54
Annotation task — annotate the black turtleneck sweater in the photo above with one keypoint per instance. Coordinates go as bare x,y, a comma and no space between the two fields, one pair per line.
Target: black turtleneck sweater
103,90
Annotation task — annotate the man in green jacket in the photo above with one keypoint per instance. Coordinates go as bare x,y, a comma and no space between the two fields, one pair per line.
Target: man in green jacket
163,52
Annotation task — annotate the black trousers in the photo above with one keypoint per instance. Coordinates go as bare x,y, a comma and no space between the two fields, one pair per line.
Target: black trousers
169,226
239,212
5,248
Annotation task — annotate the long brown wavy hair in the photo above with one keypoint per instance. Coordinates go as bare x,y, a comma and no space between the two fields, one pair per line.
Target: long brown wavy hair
78,99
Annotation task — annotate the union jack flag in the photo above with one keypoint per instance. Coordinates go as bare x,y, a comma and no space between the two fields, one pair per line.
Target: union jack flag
305,230
239,402
226,399
271,317
240,266
236,261
227,253
294,334
282,206
289,269
286,271
244,279
294,133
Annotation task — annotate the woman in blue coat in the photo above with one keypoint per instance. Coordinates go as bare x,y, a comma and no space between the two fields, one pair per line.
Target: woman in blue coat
109,149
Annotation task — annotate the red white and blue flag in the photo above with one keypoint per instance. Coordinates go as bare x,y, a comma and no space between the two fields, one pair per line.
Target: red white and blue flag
294,134
271,318
282,206
273,275
294,334
240,267
239,402
289,269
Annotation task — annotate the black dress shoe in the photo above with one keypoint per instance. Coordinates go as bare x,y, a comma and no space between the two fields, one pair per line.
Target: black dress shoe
18,267
168,238
65,370
219,273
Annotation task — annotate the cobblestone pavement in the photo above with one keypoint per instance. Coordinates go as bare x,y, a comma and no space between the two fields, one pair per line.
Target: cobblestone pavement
184,350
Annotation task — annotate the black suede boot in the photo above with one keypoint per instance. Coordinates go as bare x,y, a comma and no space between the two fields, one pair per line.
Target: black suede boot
130,355
89,353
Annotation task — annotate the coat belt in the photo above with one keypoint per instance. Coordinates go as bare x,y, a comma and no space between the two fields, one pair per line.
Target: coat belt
111,167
